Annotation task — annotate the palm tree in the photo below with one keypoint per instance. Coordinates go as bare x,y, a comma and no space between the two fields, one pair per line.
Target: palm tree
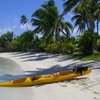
6,39
48,4
96,14
85,7
9,36
75,4
26,40
24,21
49,22
82,22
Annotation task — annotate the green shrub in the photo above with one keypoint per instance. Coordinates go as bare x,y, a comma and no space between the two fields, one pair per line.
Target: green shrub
87,43
51,48
98,44
15,46
68,48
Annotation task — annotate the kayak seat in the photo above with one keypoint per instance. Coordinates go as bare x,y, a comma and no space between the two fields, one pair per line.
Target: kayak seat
35,78
65,73
19,80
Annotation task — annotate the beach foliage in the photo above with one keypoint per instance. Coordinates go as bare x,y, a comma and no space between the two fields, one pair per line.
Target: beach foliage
87,43
52,33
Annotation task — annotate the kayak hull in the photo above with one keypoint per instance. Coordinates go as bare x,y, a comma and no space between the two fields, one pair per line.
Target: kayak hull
39,80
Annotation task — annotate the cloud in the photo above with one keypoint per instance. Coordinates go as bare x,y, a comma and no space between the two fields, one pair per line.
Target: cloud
23,27
17,29
8,28
99,32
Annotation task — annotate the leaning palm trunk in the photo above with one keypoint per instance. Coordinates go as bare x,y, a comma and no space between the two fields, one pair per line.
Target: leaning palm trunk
97,27
26,26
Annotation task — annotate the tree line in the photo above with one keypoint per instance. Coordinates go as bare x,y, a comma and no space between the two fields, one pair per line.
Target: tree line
56,32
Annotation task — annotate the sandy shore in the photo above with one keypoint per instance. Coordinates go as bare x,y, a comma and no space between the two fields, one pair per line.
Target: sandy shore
85,88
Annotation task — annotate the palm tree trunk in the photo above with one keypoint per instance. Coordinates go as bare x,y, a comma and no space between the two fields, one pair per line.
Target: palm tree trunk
88,22
26,26
87,25
97,27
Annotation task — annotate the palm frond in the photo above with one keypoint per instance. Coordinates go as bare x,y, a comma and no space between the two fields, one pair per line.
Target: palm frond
69,4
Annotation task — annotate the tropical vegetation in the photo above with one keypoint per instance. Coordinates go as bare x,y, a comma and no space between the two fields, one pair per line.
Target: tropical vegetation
52,33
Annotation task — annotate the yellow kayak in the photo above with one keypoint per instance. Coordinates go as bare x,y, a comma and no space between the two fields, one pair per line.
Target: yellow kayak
44,79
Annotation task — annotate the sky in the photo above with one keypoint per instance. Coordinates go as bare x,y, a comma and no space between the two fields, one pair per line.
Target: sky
12,10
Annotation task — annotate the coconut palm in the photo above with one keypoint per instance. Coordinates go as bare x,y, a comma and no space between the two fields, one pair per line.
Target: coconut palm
6,39
24,21
9,36
83,10
48,4
26,40
82,22
49,22
76,4
96,13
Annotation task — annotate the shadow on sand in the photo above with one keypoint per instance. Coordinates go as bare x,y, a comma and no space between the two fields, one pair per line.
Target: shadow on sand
33,56
57,68
42,56
51,70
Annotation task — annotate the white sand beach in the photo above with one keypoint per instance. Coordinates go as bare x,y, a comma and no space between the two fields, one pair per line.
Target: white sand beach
85,88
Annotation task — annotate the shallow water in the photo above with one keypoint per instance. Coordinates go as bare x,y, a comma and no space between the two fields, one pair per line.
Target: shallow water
9,68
